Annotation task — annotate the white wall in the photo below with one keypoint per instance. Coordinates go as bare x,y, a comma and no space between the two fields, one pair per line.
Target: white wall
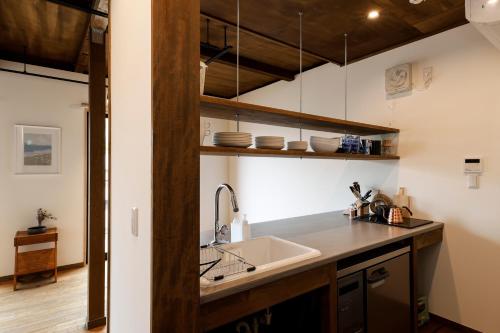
29,100
130,165
458,115
214,170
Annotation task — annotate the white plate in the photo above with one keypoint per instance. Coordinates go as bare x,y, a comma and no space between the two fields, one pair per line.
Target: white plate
275,147
233,133
297,145
239,145
233,136
233,141
270,138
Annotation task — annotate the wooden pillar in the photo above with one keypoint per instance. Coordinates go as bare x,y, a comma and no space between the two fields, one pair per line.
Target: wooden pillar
97,146
175,165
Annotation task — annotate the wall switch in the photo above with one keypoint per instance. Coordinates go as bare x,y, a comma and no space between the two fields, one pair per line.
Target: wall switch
472,181
135,221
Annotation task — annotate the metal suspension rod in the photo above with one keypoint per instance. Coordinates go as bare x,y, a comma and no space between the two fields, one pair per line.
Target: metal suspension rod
300,69
238,61
345,76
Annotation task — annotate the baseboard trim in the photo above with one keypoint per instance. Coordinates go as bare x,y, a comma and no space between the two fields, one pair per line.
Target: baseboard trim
59,269
452,324
99,322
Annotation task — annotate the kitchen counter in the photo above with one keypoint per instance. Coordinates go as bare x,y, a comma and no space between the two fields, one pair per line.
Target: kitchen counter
331,233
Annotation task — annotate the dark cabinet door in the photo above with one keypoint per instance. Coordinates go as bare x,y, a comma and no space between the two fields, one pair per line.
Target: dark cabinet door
388,296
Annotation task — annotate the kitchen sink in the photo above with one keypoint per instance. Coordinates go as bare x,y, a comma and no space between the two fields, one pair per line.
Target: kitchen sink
263,253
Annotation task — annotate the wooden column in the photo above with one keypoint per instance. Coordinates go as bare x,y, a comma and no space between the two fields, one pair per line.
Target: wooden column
97,106
175,165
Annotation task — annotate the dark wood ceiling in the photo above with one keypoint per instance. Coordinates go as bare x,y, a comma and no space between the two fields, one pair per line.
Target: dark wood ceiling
324,24
43,33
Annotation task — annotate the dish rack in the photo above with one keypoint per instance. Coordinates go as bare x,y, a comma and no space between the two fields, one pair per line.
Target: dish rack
217,263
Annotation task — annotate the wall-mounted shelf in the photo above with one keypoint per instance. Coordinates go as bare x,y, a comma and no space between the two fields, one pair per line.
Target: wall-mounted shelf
230,151
219,108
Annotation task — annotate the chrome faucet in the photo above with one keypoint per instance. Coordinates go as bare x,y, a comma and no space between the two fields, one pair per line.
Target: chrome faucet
221,231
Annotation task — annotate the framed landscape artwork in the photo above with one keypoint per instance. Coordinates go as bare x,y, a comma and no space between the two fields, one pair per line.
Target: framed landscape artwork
38,149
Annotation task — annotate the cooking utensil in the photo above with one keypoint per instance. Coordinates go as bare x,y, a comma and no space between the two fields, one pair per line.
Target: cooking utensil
379,199
401,199
395,215
367,195
355,192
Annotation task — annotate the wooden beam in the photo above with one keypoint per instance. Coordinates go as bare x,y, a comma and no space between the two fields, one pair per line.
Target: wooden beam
267,38
175,289
35,61
97,22
248,64
97,150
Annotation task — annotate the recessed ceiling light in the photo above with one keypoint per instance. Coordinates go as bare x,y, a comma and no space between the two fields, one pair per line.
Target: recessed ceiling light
373,14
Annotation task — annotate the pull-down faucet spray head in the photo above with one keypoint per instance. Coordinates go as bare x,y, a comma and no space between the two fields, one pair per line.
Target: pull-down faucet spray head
217,229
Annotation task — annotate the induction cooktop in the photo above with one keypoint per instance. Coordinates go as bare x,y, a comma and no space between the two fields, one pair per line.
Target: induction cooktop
408,222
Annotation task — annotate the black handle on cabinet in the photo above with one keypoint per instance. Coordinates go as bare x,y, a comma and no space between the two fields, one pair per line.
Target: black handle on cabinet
378,275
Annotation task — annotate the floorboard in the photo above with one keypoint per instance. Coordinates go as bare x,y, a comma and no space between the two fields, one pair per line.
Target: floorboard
434,326
49,308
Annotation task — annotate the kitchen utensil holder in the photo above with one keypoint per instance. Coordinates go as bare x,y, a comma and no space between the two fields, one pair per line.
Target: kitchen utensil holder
217,263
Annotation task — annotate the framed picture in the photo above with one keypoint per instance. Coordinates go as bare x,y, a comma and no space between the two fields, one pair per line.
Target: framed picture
398,79
38,149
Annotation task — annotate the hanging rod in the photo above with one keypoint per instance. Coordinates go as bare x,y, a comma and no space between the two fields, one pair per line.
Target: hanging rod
42,76
81,8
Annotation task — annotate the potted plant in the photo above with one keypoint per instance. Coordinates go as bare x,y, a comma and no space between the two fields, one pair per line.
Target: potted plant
41,215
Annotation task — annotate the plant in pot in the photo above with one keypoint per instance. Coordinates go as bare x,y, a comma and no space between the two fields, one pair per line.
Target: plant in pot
41,215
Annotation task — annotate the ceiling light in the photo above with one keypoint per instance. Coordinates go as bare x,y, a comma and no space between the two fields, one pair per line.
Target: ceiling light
416,2
492,2
373,14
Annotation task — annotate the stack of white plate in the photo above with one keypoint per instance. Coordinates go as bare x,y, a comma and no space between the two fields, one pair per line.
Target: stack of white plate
324,145
297,145
232,139
270,142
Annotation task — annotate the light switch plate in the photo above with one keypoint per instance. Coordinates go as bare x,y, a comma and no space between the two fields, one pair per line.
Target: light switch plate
472,181
135,221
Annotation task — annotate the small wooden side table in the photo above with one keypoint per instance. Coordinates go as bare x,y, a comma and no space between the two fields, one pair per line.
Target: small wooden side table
37,261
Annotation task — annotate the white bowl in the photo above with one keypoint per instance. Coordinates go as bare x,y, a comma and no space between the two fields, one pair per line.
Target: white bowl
324,145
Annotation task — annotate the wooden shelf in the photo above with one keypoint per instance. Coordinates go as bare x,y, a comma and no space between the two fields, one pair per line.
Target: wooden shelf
230,151
213,107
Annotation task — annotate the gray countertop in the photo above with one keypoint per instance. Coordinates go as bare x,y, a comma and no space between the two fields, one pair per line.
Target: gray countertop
331,233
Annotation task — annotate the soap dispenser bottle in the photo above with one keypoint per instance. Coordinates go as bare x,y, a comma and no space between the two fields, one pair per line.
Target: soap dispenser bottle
236,230
245,228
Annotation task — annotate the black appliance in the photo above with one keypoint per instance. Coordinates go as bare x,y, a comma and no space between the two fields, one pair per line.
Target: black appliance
374,294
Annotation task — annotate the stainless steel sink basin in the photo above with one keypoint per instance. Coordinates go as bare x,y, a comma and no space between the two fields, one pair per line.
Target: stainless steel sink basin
265,253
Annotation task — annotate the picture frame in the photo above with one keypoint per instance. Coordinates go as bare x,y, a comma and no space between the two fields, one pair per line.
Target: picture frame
38,150
398,79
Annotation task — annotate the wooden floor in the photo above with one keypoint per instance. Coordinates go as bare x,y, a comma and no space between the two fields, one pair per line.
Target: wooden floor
50,308
437,327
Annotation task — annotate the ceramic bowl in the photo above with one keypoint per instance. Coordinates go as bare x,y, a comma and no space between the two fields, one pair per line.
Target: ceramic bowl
324,145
